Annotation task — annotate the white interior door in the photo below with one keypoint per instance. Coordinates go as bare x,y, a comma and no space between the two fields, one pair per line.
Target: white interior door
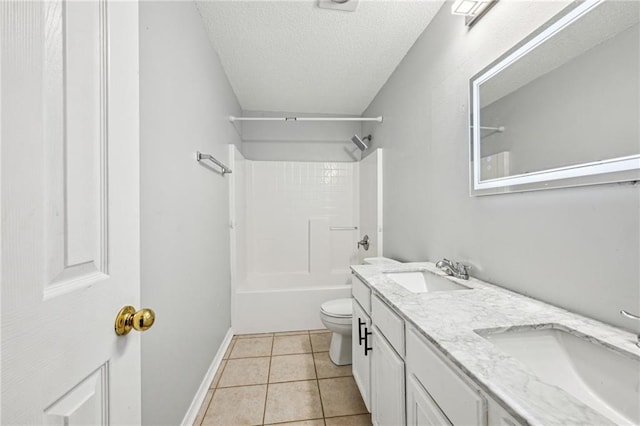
70,215
371,204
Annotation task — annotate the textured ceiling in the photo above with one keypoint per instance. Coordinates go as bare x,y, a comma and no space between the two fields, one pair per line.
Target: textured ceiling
294,56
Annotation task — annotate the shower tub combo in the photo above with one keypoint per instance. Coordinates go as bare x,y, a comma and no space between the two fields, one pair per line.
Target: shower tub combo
294,233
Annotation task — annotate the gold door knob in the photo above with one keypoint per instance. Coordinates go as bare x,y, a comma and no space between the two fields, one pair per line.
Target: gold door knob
128,318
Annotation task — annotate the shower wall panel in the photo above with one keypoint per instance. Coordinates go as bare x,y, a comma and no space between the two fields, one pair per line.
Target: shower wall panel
291,208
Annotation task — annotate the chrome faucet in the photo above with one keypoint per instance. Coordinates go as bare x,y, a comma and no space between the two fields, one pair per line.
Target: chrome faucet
457,270
634,317
364,242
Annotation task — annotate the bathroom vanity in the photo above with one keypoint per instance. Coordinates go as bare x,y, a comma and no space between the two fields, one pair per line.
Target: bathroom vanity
435,350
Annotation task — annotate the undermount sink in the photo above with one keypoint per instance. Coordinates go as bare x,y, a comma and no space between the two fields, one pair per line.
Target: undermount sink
602,378
423,281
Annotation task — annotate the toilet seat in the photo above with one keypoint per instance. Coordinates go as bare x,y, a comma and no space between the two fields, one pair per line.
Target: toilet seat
338,308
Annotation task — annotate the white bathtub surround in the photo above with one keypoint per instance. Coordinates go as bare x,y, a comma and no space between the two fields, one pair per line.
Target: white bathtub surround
450,320
290,210
290,241
262,311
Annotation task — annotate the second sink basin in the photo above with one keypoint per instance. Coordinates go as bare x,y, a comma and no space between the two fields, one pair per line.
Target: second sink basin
423,281
602,378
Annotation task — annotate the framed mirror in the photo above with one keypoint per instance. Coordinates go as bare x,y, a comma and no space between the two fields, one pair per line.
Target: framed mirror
562,108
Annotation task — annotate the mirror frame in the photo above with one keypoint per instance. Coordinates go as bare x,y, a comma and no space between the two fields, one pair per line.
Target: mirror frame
621,169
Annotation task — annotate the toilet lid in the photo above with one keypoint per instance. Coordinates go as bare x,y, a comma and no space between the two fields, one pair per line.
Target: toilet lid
337,307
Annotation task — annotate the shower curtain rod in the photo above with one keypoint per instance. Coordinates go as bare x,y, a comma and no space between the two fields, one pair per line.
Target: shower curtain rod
233,118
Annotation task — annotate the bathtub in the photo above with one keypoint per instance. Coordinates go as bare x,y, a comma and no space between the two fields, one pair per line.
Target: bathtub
259,310
279,303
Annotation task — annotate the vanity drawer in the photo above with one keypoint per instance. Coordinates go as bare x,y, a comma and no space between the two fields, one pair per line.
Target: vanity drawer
389,323
361,293
462,404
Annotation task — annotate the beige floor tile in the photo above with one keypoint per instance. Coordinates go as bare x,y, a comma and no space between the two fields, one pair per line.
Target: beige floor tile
290,333
203,408
360,420
288,368
250,336
293,401
236,406
245,371
341,397
320,341
326,368
284,345
320,330
216,378
229,349
316,422
252,347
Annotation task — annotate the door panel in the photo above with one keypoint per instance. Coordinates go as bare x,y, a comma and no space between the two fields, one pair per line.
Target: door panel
85,404
70,218
75,142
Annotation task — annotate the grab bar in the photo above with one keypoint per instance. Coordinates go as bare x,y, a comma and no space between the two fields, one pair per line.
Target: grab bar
343,228
200,156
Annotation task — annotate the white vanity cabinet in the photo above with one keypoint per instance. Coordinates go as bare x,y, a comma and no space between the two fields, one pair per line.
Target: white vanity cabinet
437,393
498,416
361,340
387,383
387,366
361,354
404,379
378,351
422,410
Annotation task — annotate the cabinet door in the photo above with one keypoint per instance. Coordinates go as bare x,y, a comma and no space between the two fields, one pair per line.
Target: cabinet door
421,409
387,385
361,361
498,416
446,384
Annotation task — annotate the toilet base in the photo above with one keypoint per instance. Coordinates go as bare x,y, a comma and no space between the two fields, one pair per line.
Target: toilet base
340,349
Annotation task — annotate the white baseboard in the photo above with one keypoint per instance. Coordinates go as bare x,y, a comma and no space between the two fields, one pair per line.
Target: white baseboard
198,399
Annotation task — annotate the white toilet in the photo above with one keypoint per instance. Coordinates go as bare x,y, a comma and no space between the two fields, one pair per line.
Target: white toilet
336,316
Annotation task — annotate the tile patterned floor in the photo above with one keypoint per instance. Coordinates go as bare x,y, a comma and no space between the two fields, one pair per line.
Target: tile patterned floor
284,379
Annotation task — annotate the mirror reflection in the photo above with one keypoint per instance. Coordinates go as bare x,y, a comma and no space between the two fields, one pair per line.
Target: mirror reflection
573,99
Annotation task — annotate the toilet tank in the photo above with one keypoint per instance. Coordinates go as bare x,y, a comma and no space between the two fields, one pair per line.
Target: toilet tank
379,261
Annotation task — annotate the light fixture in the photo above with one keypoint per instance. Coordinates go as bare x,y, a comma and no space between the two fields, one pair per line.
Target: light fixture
472,9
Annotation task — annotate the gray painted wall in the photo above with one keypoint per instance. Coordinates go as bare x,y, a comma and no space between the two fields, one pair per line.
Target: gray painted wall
585,110
298,141
185,100
577,247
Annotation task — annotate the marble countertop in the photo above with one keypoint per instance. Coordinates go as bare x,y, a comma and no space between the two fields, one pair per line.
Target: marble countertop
448,319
